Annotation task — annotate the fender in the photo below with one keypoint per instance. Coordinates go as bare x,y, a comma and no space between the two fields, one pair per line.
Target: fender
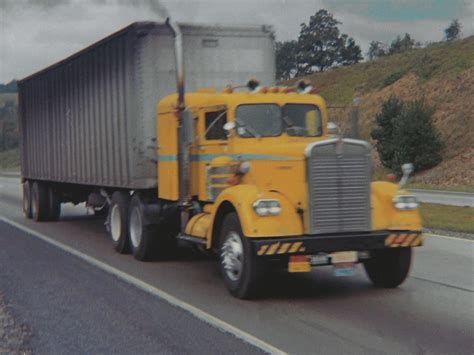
385,215
241,197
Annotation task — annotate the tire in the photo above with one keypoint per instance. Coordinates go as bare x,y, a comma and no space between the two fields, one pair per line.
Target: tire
388,268
27,199
240,281
148,242
118,221
39,202
54,204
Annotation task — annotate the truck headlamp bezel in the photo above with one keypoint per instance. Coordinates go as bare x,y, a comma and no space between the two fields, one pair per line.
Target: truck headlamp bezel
267,207
405,202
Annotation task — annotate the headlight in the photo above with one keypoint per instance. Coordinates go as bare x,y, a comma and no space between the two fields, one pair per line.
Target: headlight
267,207
405,202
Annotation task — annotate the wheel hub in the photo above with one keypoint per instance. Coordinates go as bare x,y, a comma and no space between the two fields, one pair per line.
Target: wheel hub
115,223
136,228
232,255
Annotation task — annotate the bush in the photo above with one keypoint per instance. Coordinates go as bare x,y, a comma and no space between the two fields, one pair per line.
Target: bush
393,77
405,134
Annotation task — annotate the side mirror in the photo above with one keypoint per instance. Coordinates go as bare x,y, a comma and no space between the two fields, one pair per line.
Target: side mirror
229,126
332,128
407,169
187,120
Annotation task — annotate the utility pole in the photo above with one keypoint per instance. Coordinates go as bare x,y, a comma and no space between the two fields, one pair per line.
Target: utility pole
355,118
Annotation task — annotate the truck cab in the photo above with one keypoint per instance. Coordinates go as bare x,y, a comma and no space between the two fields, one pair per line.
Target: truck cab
267,181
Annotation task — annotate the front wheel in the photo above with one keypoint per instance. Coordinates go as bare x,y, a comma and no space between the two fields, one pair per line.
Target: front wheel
389,267
239,266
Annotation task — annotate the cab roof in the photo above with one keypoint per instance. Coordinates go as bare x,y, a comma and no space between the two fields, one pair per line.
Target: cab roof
207,98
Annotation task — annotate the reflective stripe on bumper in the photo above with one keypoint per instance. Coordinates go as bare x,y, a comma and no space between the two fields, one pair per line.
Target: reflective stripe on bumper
274,247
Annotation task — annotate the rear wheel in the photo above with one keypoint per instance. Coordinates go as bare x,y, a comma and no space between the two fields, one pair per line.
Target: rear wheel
240,267
54,204
27,199
389,267
148,241
39,201
118,221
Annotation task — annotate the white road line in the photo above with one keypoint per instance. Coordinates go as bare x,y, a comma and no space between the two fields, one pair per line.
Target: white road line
198,313
448,237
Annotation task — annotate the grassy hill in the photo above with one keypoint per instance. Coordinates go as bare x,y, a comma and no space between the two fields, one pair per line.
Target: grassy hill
442,74
4,97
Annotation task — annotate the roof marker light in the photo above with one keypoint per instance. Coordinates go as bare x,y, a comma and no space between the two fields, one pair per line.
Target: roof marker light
253,84
228,90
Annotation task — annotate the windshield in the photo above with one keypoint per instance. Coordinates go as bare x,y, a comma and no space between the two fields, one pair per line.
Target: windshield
271,120
262,120
302,120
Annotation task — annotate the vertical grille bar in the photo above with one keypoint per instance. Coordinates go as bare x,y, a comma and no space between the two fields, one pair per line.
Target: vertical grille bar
338,173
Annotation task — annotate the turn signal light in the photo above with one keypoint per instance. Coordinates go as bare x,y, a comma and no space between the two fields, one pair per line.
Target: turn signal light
391,177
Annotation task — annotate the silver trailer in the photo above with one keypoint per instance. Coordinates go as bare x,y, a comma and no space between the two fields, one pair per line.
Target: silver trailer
90,119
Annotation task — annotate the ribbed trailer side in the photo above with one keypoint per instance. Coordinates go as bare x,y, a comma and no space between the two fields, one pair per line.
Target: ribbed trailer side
90,119
75,118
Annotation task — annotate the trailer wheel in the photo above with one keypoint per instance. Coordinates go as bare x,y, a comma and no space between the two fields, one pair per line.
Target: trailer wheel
54,203
240,267
118,221
389,267
39,201
27,199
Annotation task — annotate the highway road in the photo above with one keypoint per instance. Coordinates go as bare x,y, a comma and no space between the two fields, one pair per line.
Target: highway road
77,295
451,198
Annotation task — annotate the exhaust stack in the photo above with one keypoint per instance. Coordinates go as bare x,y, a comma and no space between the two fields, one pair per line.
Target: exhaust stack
183,151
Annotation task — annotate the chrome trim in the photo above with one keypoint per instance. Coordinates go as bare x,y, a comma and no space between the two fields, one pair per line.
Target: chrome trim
353,207
308,149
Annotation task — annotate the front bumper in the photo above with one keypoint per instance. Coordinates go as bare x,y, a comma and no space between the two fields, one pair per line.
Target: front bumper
328,243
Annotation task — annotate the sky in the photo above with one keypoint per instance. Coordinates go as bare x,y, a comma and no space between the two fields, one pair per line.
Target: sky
37,33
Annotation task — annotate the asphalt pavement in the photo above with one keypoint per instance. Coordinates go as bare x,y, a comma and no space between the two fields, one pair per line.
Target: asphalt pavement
83,308
450,198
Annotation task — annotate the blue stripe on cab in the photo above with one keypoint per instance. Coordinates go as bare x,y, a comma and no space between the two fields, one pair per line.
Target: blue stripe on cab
209,157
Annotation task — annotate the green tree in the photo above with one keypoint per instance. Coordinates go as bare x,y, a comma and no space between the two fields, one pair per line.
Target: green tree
453,31
401,44
376,50
321,45
418,141
350,52
286,59
405,134
383,131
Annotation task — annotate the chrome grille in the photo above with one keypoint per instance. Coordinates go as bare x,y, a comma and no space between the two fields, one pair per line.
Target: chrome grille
339,186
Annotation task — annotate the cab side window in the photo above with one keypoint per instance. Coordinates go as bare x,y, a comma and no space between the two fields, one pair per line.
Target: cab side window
214,125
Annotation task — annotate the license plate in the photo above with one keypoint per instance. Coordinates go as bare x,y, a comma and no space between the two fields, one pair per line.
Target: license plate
344,269
319,259
344,257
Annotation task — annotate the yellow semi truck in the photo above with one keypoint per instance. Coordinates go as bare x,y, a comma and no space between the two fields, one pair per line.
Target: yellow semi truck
268,182
255,175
